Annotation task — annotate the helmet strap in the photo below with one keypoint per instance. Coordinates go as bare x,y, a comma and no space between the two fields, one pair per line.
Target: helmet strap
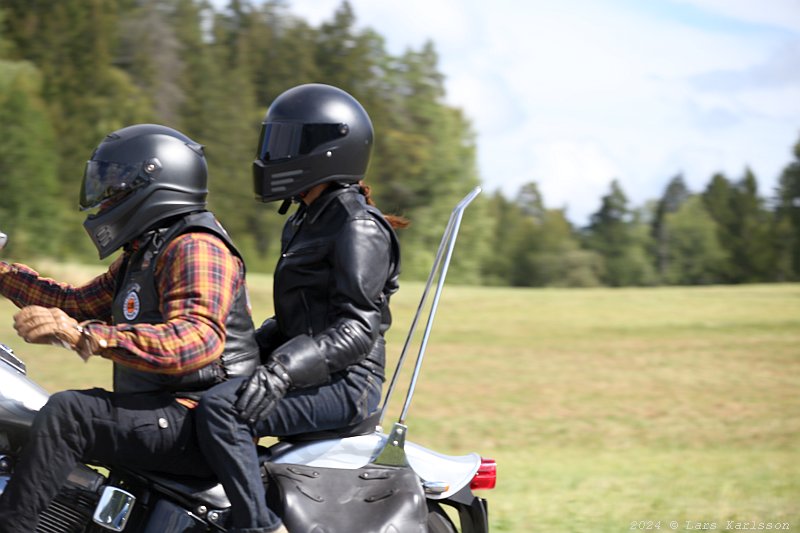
284,206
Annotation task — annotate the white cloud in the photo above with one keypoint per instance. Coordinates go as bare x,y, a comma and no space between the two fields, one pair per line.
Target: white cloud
575,93
578,173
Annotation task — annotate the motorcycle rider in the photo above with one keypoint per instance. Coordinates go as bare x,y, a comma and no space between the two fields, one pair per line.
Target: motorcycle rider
323,351
171,313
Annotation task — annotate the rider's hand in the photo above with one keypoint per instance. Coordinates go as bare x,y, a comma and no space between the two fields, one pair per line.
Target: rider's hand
261,393
269,337
41,325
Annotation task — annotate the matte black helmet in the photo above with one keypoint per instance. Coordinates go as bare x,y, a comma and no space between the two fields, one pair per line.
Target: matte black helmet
312,134
138,177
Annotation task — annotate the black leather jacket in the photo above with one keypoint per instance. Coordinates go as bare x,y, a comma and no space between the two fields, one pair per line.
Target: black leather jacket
339,265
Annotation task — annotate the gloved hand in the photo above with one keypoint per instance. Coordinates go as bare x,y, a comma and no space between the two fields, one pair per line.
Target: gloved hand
261,393
269,337
41,325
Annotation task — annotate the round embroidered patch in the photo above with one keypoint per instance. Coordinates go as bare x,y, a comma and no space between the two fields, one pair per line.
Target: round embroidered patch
132,305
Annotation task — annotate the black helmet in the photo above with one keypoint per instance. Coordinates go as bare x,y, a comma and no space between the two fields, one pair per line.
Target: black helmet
311,134
139,176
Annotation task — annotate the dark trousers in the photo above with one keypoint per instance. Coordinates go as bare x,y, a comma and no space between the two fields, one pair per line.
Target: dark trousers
147,431
228,442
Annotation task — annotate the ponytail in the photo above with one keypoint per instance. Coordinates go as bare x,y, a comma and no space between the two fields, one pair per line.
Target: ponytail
396,221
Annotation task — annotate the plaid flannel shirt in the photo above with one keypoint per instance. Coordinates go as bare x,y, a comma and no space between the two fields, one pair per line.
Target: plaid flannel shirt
197,278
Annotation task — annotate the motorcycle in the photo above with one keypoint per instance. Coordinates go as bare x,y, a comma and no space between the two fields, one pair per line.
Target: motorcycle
356,479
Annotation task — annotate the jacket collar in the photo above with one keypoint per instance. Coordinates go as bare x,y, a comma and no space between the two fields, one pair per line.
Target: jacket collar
315,210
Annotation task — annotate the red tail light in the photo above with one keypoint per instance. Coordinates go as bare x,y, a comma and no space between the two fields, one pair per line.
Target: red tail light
486,476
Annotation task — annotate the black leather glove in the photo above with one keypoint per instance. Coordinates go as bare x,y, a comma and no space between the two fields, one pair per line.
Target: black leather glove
269,337
261,393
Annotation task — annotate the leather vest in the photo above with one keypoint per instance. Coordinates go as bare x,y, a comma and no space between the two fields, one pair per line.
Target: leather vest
136,301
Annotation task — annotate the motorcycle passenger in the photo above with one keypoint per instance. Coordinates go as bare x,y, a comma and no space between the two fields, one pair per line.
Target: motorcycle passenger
171,313
323,351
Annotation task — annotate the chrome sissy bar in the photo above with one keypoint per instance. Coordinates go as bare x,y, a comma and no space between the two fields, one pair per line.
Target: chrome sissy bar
393,451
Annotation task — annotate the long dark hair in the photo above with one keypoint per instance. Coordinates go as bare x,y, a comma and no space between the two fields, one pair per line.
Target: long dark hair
396,221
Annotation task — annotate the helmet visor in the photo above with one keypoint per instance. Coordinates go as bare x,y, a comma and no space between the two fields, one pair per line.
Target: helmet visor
106,180
283,140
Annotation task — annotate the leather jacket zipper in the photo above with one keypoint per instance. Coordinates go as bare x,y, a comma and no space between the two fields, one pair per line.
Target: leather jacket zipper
307,308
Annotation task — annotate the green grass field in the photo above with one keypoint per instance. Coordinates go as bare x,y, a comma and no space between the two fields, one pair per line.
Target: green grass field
604,408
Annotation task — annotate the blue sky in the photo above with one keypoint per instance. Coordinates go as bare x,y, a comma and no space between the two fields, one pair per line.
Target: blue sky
575,93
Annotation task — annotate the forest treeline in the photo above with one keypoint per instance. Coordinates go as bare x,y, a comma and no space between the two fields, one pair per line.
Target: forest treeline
74,70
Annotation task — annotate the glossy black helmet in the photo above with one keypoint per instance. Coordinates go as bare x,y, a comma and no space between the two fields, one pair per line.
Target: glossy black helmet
138,177
312,134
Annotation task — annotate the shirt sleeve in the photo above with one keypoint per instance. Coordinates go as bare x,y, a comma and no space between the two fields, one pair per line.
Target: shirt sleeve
197,278
24,286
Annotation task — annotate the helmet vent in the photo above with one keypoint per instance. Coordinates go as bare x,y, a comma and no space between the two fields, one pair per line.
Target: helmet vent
104,235
287,174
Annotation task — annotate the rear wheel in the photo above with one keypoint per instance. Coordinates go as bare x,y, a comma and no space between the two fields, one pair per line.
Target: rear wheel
438,521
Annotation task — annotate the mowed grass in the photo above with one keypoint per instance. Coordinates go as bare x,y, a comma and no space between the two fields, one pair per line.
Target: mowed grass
602,407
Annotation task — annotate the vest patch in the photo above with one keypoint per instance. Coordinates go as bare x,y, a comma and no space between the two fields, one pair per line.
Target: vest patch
132,304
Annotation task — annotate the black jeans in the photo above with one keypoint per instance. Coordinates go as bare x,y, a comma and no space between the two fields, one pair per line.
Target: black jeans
147,431
228,442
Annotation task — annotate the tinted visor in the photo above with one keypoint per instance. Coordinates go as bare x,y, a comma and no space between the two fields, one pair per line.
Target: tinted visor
105,180
282,140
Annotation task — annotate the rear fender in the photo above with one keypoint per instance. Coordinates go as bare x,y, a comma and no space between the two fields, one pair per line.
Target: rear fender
452,473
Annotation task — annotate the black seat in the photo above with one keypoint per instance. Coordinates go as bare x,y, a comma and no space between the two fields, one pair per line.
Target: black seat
191,489
211,493
365,427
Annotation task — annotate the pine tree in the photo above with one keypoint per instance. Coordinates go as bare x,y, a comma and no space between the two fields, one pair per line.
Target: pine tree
743,226
671,201
753,253
695,255
226,123
342,53
152,55
787,221
531,246
618,235
29,209
283,51
718,200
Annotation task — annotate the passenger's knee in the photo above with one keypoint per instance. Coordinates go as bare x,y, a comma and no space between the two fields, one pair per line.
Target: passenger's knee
216,402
